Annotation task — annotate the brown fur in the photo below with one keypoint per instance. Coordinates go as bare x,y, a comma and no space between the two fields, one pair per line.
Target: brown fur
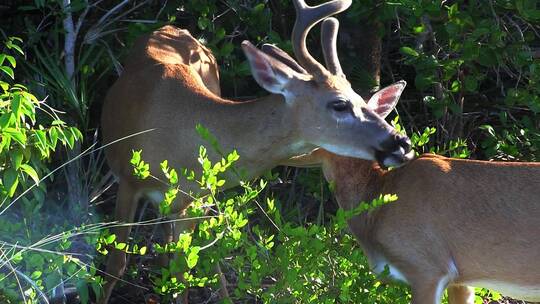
483,217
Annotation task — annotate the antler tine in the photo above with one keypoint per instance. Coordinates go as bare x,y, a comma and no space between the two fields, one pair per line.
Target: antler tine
306,17
329,31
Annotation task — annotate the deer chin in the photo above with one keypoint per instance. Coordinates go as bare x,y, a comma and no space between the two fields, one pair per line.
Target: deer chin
353,152
393,159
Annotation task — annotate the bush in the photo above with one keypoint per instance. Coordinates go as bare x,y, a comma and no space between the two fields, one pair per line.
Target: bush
264,257
36,257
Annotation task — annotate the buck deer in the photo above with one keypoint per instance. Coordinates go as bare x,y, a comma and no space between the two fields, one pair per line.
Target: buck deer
456,223
171,83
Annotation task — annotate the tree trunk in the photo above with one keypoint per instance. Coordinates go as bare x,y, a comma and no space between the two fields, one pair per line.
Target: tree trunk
367,43
73,178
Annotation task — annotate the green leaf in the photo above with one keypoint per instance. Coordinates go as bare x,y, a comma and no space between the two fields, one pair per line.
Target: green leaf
31,172
6,120
53,136
16,105
58,122
12,61
135,157
164,165
206,165
203,23
70,139
471,50
419,29
110,239
471,84
193,256
488,129
173,177
258,8
4,85
36,275
15,47
227,49
423,82
11,181
77,135
17,135
17,257
82,290
7,70
488,57
220,33
528,9
42,137
456,85
405,50
16,158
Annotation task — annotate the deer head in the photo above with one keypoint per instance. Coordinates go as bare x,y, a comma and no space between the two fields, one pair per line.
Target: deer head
340,120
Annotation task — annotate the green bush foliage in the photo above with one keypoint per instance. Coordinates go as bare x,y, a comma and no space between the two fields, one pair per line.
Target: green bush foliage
268,258
26,143
476,69
30,131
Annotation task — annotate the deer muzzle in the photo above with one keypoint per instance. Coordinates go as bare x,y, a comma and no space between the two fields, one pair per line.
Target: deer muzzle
395,151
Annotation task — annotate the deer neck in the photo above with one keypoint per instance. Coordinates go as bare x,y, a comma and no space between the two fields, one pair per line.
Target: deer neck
355,180
263,131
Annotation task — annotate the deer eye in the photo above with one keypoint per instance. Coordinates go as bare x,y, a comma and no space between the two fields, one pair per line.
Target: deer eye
340,105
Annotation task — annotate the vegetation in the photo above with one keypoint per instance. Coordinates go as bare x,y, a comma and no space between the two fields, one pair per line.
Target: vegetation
473,69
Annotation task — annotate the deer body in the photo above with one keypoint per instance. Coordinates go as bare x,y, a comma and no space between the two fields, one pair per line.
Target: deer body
456,223
243,124
171,84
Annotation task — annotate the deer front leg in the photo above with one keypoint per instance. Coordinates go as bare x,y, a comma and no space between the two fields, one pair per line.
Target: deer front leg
428,290
126,205
459,294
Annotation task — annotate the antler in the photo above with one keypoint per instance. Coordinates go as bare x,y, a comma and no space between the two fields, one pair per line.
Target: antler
329,30
306,17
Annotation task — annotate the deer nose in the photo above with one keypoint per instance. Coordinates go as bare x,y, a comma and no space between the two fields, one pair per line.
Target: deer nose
404,142
395,142
396,150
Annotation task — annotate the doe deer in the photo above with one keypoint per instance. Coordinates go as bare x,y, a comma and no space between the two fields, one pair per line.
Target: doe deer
456,223
171,83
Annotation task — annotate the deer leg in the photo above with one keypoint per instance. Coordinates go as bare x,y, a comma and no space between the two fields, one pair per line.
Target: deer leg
460,294
126,205
428,290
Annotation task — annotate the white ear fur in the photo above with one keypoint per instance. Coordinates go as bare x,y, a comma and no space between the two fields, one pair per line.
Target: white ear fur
385,100
269,73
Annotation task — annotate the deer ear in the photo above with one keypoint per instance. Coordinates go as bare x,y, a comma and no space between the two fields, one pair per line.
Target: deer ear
385,100
269,72
278,53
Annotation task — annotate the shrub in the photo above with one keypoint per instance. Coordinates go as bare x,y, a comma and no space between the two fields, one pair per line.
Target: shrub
35,257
